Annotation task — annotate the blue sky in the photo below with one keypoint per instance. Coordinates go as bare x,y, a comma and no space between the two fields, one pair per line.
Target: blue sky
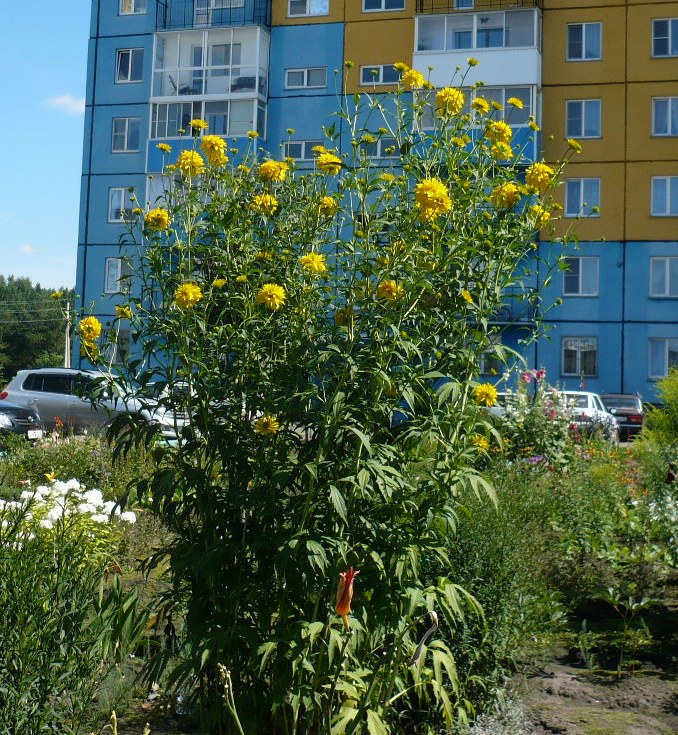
43,50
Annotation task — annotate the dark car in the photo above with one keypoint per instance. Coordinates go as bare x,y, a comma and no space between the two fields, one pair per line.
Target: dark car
20,420
629,411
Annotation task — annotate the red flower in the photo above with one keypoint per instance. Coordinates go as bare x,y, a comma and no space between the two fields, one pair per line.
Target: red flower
345,594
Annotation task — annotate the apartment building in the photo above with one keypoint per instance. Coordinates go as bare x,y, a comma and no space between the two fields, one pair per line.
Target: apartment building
603,72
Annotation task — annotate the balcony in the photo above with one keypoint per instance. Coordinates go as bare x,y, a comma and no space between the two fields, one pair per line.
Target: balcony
450,6
181,14
519,307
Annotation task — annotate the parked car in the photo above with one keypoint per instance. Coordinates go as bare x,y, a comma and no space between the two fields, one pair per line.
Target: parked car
66,396
589,413
20,420
629,411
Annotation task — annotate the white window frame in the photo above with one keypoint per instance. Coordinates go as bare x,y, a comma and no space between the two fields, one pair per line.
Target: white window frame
128,79
313,7
306,72
124,212
670,186
112,275
368,79
671,39
587,111
667,346
382,8
128,122
585,27
306,149
377,149
664,263
585,207
588,269
671,129
579,345
133,7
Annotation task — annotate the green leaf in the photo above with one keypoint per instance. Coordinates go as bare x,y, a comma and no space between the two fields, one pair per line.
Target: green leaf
363,438
338,502
265,650
375,725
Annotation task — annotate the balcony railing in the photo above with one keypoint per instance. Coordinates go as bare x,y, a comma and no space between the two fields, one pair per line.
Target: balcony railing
246,80
448,6
518,307
179,14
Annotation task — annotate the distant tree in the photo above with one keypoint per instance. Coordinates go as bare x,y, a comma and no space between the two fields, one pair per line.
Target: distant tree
32,325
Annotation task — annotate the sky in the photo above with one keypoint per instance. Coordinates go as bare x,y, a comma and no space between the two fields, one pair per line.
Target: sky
43,52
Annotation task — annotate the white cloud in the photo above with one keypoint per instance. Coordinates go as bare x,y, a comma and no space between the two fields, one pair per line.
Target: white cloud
27,250
67,103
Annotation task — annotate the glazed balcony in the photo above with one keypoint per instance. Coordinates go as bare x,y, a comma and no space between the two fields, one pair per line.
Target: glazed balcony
451,6
186,14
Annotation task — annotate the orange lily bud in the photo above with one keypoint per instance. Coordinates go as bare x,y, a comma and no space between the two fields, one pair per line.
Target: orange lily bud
345,594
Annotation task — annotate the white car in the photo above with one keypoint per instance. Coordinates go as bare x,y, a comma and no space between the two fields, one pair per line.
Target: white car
588,412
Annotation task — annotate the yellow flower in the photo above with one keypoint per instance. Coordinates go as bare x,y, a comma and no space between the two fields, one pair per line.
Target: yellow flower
313,263
157,219
481,105
56,294
214,148
534,126
218,283
431,199
485,394
344,317
89,349
272,296
538,176
574,145
123,312
190,163
471,61
242,278
499,131
540,215
164,147
501,151
389,290
89,328
516,102
264,204
137,210
413,79
51,476
497,105
197,124
466,295
267,425
328,206
328,163
252,134
401,66
187,295
387,177
273,171
450,101
480,441
505,196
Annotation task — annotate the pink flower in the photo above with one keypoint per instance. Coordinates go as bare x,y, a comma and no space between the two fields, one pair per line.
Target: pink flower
540,375
526,377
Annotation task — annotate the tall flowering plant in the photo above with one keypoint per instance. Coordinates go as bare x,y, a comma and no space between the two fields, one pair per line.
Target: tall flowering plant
326,327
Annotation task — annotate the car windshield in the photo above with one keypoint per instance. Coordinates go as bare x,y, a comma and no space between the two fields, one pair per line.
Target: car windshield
578,401
622,402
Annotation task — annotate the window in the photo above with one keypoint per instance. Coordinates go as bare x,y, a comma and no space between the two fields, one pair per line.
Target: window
384,74
514,115
382,148
120,204
301,150
382,5
665,196
463,4
579,356
464,31
129,65
665,37
117,272
302,78
490,362
582,197
125,134
584,41
583,119
663,356
234,117
664,277
308,7
581,276
665,116
132,7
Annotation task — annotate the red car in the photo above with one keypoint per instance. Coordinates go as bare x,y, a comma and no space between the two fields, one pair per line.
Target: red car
628,409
